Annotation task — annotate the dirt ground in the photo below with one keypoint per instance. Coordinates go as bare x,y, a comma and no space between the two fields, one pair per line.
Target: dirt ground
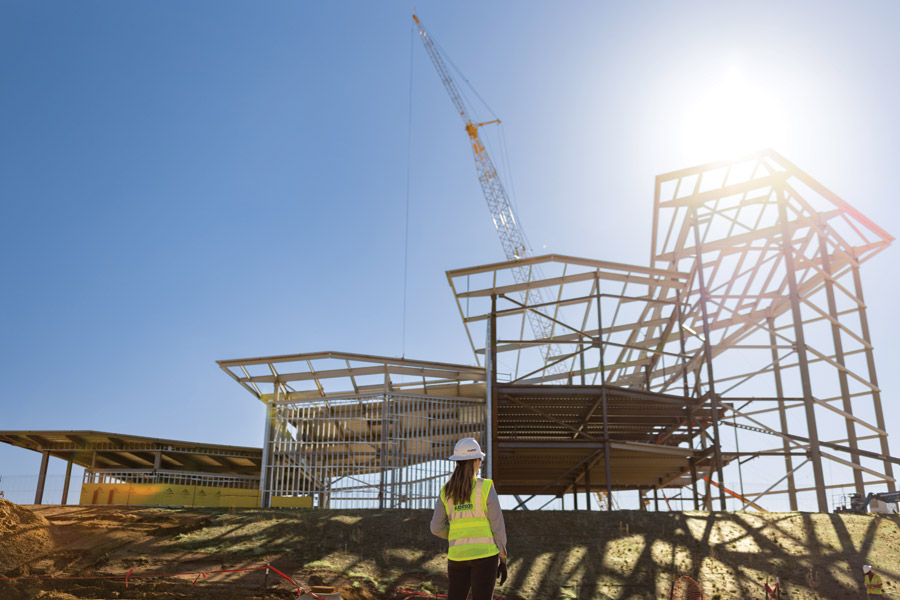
390,554
23,535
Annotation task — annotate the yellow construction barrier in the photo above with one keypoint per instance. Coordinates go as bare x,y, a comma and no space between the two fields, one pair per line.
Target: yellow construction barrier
206,495
156,494
160,494
292,502
235,498
104,493
90,493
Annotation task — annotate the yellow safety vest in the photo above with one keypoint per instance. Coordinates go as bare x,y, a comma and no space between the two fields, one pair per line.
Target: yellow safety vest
873,583
470,530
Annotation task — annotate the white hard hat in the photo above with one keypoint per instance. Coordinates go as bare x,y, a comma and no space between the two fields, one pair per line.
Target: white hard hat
866,568
467,449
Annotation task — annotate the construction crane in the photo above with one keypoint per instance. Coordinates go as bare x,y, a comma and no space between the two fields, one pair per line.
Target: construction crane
511,237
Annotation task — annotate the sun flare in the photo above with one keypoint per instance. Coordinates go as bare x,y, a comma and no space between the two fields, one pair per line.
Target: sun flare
734,117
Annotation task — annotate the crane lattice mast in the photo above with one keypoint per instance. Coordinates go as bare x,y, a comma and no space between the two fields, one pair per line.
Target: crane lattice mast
511,237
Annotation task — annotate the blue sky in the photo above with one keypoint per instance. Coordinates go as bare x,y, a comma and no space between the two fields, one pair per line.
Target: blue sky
186,182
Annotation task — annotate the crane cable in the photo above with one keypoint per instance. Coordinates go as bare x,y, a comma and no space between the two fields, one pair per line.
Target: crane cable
412,41
504,152
462,76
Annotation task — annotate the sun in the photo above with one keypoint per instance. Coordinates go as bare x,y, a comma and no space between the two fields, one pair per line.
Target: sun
733,117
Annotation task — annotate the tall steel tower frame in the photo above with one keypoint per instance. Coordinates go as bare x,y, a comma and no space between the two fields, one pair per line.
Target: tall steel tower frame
751,310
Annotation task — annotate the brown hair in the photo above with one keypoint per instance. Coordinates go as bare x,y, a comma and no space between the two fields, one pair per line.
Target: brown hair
459,489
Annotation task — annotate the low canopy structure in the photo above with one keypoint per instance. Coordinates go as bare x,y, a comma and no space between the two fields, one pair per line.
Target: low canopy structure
354,430
98,451
138,459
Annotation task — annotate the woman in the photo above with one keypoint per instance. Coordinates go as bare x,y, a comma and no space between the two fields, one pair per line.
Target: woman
476,530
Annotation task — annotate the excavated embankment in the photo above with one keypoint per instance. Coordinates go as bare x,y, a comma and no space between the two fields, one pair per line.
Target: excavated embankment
390,554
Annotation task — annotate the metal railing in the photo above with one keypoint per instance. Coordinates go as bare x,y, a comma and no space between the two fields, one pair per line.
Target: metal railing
369,451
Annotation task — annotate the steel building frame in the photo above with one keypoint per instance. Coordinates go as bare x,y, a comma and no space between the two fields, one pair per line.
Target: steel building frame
597,424
776,290
752,310
750,319
352,430
123,458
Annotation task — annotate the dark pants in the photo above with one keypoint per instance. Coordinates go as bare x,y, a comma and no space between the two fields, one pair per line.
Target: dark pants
478,575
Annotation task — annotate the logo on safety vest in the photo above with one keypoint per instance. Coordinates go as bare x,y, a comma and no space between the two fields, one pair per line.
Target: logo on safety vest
463,506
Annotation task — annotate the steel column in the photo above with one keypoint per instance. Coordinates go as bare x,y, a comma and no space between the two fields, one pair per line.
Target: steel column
870,363
687,394
607,460
491,377
382,448
707,351
782,414
65,493
267,456
42,477
800,341
587,486
839,359
692,461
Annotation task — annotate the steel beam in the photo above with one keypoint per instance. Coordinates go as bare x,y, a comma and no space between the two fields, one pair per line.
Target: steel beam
42,477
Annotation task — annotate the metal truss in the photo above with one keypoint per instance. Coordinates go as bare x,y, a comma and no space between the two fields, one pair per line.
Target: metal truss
360,431
749,321
776,298
336,374
600,423
585,293
752,306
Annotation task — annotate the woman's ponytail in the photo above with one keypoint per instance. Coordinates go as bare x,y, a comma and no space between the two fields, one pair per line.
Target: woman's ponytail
459,489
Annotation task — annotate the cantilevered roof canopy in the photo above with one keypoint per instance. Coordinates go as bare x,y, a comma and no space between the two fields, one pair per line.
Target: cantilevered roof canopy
99,450
547,317
329,374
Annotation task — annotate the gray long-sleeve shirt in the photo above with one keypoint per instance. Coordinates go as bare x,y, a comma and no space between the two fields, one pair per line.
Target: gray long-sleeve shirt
440,525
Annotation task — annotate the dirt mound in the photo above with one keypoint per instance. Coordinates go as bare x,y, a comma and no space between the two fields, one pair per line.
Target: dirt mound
24,536
43,595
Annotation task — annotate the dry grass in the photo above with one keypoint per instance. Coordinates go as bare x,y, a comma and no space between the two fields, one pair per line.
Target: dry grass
585,555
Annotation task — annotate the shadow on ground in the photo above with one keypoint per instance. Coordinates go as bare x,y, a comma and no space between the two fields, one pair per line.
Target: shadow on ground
371,554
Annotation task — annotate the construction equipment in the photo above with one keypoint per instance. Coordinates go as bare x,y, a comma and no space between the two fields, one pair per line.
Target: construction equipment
858,504
512,238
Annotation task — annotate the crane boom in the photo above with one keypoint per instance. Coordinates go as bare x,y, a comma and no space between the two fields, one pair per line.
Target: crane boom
511,237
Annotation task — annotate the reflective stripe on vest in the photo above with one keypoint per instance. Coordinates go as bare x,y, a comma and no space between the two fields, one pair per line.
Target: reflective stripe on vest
470,530
873,584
